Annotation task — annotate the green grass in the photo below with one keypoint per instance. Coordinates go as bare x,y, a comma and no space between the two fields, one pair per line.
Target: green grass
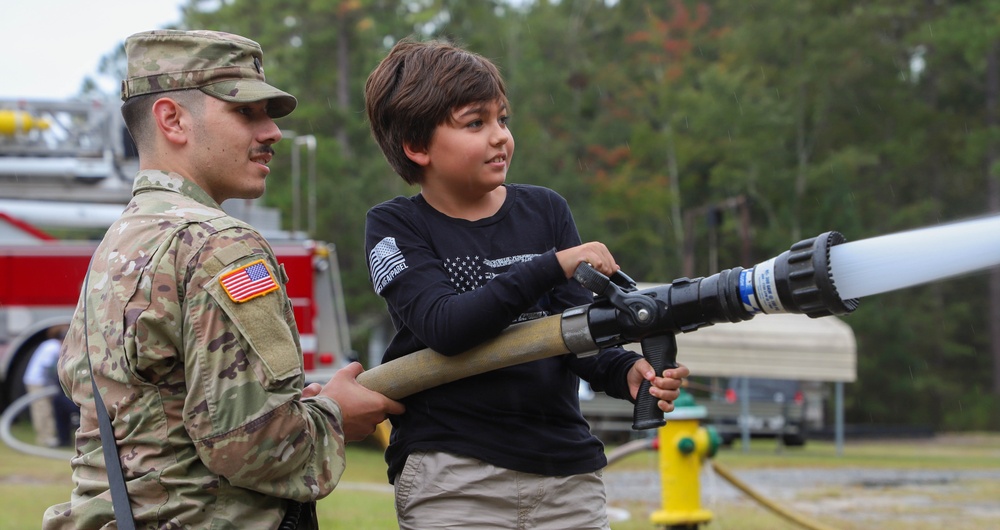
354,510
28,485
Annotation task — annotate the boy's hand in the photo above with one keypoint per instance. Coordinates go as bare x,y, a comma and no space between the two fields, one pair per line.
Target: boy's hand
594,253
665,389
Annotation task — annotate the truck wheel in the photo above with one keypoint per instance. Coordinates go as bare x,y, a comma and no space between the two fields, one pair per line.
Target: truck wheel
793,440
13,387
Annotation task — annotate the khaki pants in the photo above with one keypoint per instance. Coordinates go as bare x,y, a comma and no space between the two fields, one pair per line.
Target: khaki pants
440,490
43,419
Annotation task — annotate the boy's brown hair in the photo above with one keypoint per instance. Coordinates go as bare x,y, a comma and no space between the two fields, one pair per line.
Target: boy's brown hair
416,87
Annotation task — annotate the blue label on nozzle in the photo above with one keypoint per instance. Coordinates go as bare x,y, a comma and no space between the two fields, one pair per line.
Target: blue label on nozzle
766,288
747,295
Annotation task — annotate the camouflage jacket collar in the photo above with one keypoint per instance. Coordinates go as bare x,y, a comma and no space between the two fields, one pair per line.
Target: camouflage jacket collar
155,179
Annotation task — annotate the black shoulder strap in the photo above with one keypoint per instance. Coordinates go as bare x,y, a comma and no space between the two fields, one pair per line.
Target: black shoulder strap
116,478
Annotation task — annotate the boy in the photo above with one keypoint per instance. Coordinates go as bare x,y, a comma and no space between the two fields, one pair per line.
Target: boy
458,263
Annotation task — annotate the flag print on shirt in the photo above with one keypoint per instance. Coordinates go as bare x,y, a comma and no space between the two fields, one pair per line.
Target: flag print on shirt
385,261
248,281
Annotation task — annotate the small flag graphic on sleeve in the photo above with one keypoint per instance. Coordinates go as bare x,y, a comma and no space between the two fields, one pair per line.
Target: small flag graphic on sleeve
385,261
249,281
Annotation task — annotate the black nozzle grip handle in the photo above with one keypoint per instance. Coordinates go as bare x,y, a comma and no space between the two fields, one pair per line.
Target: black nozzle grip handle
661,352
592,278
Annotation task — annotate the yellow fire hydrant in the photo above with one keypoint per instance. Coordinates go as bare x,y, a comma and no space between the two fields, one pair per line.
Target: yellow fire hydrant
683,446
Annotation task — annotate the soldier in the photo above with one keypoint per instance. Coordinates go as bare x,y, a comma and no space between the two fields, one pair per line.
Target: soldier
186,319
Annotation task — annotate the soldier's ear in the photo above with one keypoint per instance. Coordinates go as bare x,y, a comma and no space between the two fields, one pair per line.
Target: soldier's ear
171,120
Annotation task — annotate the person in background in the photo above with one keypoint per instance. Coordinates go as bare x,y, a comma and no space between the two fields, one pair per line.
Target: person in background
39,375
67,416
456,264
187,322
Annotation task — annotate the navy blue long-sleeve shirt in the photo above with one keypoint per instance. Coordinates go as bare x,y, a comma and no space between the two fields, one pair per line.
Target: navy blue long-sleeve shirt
450,285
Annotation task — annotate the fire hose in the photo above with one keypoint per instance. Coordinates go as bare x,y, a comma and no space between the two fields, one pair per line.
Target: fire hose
796,281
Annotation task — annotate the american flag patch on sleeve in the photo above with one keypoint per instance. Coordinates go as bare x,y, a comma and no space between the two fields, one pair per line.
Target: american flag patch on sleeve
248,281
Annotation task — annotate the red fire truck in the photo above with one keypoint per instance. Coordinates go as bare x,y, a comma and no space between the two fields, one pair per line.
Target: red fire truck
66,168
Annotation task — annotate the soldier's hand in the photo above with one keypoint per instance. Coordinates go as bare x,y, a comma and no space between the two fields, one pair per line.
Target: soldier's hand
361,408
312,390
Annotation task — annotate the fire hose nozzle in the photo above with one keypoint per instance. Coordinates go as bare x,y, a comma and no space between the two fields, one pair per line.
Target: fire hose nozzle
798,280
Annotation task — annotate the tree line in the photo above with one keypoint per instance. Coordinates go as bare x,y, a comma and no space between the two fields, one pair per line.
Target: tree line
692,136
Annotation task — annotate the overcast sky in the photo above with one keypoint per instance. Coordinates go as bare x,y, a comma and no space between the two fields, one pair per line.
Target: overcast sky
50,46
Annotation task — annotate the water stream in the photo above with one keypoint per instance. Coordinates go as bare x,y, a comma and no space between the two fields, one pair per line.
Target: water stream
895,261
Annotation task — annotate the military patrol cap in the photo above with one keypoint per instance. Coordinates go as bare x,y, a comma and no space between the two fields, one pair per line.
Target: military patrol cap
222,65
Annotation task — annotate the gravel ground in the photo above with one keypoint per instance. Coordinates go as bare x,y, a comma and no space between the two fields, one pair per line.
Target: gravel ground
858,494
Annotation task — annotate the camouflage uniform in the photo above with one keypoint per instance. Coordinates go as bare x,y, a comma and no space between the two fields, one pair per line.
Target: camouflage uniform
204,392
203,382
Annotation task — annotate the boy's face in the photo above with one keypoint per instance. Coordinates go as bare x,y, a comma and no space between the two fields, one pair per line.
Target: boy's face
469,154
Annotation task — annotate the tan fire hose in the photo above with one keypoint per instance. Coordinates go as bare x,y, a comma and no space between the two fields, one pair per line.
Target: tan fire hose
520,343
767,503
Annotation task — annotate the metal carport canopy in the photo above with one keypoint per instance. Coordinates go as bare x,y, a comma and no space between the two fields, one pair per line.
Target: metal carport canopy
779,346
